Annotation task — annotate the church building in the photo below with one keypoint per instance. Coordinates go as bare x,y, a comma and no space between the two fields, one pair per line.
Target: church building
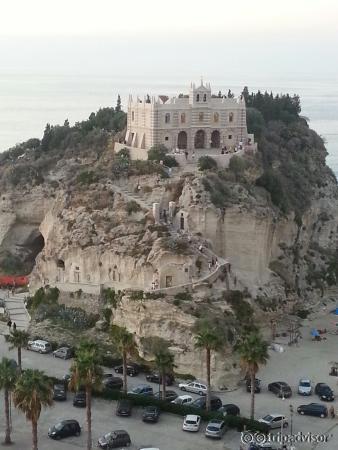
198,120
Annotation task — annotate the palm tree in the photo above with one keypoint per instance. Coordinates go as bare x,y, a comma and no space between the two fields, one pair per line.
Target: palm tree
164,361
18,339
253,351
33,390
209,341
126,345
8,377
86,371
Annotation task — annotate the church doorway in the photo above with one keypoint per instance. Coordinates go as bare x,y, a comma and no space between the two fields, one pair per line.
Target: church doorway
215,139
182,140
200,139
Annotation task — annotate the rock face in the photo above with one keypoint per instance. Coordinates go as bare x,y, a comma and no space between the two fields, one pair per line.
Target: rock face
94,232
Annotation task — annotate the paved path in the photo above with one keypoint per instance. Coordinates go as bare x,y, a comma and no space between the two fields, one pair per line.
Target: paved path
16,309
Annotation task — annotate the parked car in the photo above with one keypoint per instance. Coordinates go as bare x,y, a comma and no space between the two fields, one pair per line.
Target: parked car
304,387
281,389
150,414
156,377
65,428
112,383
80,399
257,385
132,369
59,392
191,422
114,439
324,392
274,421
194,386
215,403
183,400
39,346
229,409
215,429
63,353
142,389
169,396
313,409
123,408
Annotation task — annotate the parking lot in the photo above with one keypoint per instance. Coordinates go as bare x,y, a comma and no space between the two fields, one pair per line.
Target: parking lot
309,360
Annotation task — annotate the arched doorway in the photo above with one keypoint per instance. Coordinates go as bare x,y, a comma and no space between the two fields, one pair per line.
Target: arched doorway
215,139
200,139
182,140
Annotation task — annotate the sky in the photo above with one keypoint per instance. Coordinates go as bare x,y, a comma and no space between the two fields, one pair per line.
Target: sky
153,37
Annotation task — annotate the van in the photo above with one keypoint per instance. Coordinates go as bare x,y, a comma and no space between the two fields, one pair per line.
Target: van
39,346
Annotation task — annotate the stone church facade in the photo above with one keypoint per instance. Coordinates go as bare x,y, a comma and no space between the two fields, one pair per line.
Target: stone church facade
198,120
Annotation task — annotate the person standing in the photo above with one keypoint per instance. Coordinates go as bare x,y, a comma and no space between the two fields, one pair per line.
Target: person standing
14,326
9,324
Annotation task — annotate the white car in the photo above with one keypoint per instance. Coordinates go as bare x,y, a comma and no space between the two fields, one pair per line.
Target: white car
194,386
191,422
304,387
182,400
274,421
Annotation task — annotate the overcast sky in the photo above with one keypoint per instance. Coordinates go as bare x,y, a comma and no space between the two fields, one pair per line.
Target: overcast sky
157,37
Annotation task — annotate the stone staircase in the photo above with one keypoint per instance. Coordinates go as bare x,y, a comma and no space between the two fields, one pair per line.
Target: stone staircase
138,197
15,307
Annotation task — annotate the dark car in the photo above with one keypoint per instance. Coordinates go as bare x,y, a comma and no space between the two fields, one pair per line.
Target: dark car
142,389
257,385
169,396
150,414
324,392
123,408
59,392
215,403
80,399
156,377
112,382
63,353
65,428
115,439
313,409
132,369
281,389
229,409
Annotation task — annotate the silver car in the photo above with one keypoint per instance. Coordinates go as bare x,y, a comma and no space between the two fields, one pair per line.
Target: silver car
274,421
215,429
194,386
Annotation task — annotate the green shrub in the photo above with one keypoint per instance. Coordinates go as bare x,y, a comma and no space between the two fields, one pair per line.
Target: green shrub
183,296
170,161
136,295
157,153
132,207
86,177
206,163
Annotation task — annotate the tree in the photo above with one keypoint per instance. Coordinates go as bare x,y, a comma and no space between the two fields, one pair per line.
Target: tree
238,165
206,163
253,351
18,339
118,104
86,371
126,346
8,377
209,341
33,391
164,361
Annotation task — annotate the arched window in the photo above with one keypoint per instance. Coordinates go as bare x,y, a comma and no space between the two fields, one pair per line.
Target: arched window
204,97
201,117
216,117
167,118
132,115
183,118
231,117
197,97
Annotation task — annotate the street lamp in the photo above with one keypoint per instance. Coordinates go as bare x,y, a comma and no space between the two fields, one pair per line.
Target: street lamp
291,419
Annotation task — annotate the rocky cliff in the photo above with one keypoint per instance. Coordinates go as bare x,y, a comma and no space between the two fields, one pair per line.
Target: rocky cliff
86,222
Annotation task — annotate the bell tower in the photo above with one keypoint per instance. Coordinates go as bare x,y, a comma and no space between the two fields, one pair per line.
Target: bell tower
199,96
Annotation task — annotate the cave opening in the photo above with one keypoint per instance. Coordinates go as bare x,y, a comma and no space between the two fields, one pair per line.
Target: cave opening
33,245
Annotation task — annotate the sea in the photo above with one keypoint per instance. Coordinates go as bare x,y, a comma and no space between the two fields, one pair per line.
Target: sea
29,100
